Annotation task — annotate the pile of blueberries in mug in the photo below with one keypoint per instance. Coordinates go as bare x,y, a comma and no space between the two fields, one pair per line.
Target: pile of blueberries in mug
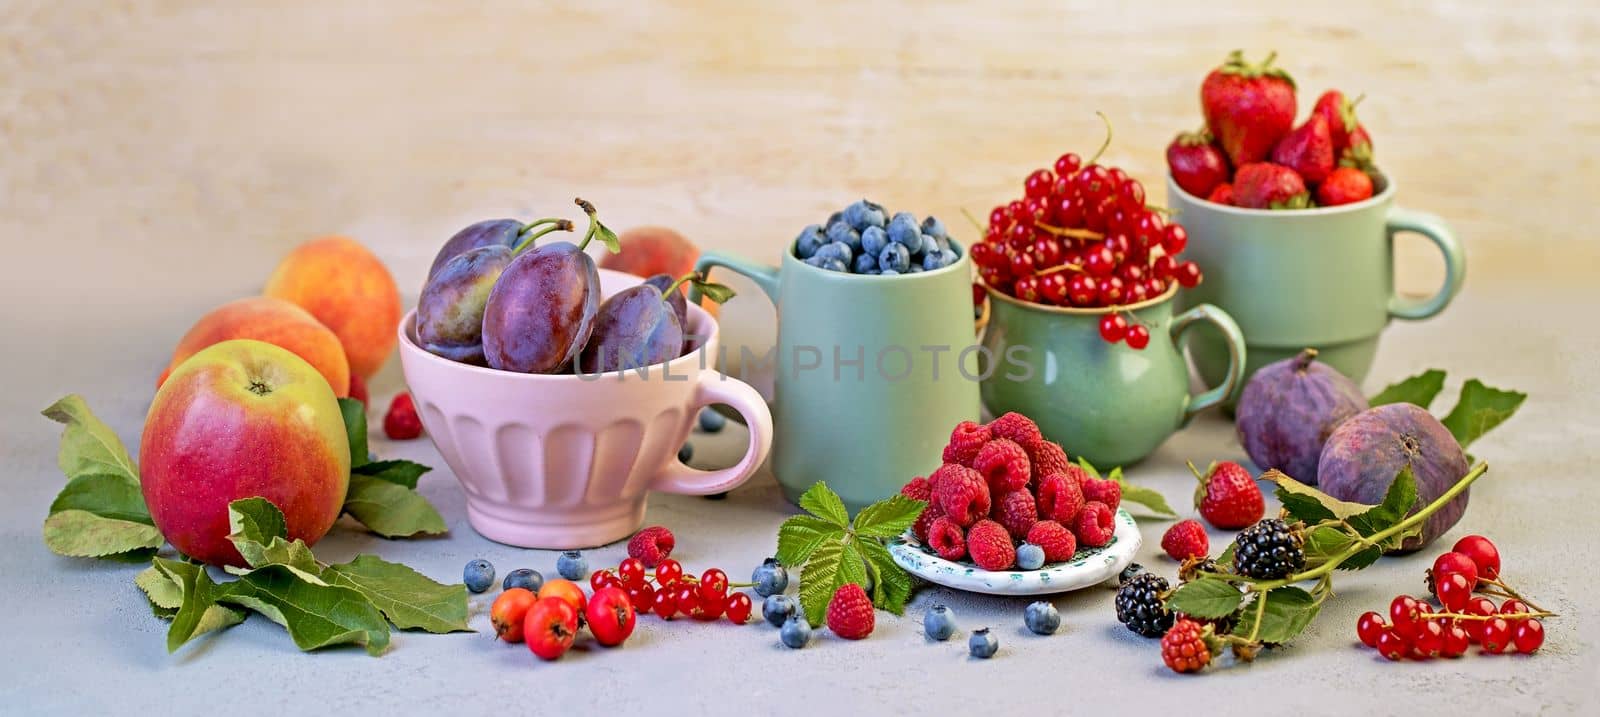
864,239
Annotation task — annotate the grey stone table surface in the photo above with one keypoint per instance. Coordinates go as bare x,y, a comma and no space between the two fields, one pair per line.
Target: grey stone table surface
80,638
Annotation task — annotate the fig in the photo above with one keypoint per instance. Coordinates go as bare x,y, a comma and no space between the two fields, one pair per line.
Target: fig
641,325
508,233
1288,410
450,309
1364,454
541,311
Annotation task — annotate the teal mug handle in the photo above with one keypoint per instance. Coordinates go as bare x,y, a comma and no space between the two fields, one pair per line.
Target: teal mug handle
764,276
1228,390
1455,263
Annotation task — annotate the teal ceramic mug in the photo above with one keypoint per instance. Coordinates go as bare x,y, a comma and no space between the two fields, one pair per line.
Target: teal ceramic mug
1321,278
1109,403
872,372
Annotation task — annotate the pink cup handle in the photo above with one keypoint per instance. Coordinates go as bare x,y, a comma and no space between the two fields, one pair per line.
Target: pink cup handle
718,388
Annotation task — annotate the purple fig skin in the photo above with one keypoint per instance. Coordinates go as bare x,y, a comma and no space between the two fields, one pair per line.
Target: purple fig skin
542,310
450,310
636,327
1365,452
1288,410
680,305
491,232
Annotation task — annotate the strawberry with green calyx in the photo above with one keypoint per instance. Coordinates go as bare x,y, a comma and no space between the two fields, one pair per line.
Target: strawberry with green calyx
1264,185
1340,114
1196,163
1359,153
1344,185
1248,107
1308,150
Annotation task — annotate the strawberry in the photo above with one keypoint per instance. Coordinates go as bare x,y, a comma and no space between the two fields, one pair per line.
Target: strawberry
1359,153
1264,185
1308,150
1228,497
1222,194
1340,115
1344,186
1248,107
1196,164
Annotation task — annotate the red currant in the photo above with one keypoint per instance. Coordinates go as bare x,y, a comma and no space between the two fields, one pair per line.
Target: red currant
1147,228
1392,645
1094,183
1138,337
1174,240
1483,554
631,572
1015,210
1528,636
1037,209
1027,288
1369,626
665,604
999,217
1156,286
1060,188
1082,290
1453,563
1404,613
642,596
687,597
1113,291
1053,288
1131,273
1429,638
1116,176
1046,252
1137,292
602,578
1019,236
1164,266
1099,260
1453,591
668,571
1130,195
713,587
1477,606
1039,183
983,253
1496,636
1067,164
1113,327
1513,607
1456,642
1188,274
738,608
1068,212
978,294
996,277
1119,245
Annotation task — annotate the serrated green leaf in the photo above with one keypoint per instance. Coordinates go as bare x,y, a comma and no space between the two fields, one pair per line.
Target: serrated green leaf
800,535
408,598
82,534
821,501
852,565
108,496
1325,541
1308,504
889,517
1419,390
197,612
1226,557
891,586
398,472
257,530
355,429
1397,503
1479,410
315,616
1088,467
1207,598
391,510
88,445
163,592
1287,611
256,520
1361,559
817,580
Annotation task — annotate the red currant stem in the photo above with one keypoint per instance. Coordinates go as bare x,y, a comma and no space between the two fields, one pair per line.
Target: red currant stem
975,223
1106,143
1059,268
1157,208
1508,592
1073,233
1532,614
529,237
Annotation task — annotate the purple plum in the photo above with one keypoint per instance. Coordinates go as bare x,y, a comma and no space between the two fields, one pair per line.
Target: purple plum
508,233
1364,454
680,305
636,327
450,309
1288,410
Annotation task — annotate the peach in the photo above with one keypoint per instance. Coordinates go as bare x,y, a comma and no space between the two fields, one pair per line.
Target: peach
241,419
647,251
348,289
276,322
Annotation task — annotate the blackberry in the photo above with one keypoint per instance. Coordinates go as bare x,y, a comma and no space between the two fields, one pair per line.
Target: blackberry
1141,607
1269,550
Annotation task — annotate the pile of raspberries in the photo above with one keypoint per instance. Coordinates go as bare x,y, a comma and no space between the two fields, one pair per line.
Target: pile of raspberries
1003,484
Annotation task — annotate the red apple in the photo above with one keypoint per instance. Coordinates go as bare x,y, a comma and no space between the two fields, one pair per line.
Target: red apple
242,419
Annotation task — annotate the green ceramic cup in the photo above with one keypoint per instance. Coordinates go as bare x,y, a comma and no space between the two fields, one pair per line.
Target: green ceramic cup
872,372
1109,403
1321,278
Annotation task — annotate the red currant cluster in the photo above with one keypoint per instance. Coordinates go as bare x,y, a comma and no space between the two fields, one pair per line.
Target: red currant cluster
1462,619
668,591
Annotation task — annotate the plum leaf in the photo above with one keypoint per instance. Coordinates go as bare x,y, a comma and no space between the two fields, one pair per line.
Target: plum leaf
1420,390
315,615
1207,598
390,509
1479,409
406,597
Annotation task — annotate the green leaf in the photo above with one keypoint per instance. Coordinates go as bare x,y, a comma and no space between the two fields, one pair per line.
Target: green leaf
1419,390
398,472
891,586
165,594
1147,497
1397,503
316,616
1226,557
852,565
1362,559
1287,611
408,598
107,496
1088,467
1308,504
88,445
888,518
1207,598
355,429
1325,541
604,234
255,520
818,579
82,534
257,529
800,535
197,612
822,502
1479,410
391,510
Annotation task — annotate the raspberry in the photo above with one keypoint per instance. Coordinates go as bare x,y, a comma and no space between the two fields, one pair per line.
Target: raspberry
1104,491
1269,550
1060,498
1057,541
1016,513
1186,539
1018,428
962,494
1077,474
1004,464
1141,607
1228,497
1184,648
945,537
925,521
990,546
917,488
651,545
1095,525
850,613
401,423
1048,457
965,441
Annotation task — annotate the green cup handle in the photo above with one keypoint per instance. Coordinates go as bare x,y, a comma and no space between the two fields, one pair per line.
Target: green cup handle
1228,390
1455,263
764,276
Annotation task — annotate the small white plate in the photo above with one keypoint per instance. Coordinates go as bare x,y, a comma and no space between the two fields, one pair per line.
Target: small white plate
1090,566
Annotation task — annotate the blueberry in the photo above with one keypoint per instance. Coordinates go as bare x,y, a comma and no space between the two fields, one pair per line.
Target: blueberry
478,575
888,272
777,609
1041,618
770,578
873,240
842,233
711,421
865,264
685,452
982,644
939,622
834,218
810,240
526,578
948,257
1030,556
864,214
933,226
814,260
932,260
916,268
796,632
895,257
930,246
903,230
572,565
836,265
836,250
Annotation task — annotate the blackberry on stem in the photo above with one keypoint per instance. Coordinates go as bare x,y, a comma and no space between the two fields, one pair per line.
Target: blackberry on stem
1269,550
1141,605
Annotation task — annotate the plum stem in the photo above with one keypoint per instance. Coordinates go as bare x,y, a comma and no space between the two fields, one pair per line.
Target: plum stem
596,229
560,225
695,276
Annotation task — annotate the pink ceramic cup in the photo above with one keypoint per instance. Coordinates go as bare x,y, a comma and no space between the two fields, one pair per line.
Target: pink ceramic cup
559,461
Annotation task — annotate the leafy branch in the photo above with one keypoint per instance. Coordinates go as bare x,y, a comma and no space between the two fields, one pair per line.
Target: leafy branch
831,550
